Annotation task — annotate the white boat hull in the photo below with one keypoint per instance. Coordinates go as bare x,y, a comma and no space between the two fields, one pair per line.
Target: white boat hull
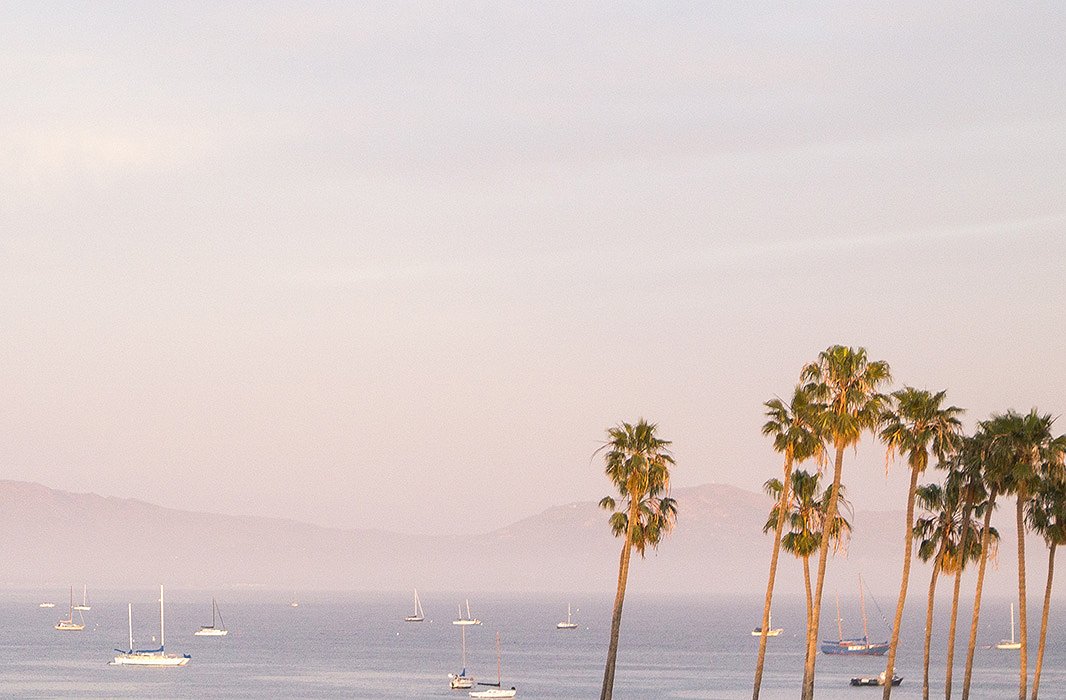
1009,646
69,627
566,626
210,632
772,633
457,682
494,693
466,622
136,659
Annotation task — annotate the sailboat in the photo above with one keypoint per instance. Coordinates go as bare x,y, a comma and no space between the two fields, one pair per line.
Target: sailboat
857,646
419,615
468,620
498,691
68,625
84,599
771,630
211,630
569,624
460,680
1010,644
148,657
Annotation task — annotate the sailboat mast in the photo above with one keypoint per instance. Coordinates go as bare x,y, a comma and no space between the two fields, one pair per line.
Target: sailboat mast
862,604
1012,623
462,631
162,636
129,619
499,668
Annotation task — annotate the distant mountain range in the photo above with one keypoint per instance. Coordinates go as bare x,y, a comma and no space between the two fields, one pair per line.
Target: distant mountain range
52,538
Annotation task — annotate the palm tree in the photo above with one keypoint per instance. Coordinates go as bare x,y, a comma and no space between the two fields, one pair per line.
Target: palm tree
968,463
1047,515
793,436
806,512
940,536
848,383
917,424
638,463
1030,451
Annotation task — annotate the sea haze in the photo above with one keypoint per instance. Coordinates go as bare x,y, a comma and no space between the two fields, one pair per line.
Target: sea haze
347,645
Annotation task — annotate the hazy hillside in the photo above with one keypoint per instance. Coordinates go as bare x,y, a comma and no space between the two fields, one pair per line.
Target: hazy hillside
52,538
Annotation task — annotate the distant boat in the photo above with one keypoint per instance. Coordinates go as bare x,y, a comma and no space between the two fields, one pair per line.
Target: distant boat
569,624
879,679
148,657
294,603
499,691
211,630
771,632
469,619
68,625
855,646
46,605
459,681
419,615
1010,644
84,600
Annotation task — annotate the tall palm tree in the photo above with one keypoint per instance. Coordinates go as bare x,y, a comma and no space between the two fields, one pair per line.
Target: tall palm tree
968,464
940,536
638,463
806,512
992,460
916,424
790,427
1030,452
1047,516
849,384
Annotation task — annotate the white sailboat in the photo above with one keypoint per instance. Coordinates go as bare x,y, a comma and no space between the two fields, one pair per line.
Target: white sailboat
212,630
84,599
469,619
46,605
771,630
148,657
499,691
69,625
569,624
419,615
458,681
1010,644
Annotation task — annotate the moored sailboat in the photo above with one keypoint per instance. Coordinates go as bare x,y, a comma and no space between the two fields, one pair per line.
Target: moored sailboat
771,630
148,657
1010,644
857,646
498,691
69,625
458,681
84,599
419,615
569,624
212,630
469,619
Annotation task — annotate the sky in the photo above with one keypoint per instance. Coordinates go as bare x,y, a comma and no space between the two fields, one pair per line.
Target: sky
400,265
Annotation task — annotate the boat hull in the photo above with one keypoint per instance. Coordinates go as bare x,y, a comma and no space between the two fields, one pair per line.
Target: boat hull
1009,646
494,693
157,660
853,647
460,682
413,618
566,626
69,627
875,681
210,632
772,633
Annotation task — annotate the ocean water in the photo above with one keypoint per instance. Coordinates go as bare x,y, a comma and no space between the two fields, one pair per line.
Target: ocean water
347,645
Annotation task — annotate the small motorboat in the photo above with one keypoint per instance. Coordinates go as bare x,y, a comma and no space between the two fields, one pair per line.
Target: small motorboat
879,680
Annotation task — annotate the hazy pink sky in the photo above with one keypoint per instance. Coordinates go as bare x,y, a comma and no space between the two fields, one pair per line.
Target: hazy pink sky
401,265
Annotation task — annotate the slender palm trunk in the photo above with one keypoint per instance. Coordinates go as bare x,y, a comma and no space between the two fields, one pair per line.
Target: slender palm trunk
908,541
807,587
823,555
782,508
1023,626
616,618
986,537
964,541
929,621
1043,620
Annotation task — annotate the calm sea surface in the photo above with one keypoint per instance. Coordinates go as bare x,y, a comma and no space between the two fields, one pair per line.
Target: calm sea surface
357,646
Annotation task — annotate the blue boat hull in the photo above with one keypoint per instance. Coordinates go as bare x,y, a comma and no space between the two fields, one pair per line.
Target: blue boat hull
853,647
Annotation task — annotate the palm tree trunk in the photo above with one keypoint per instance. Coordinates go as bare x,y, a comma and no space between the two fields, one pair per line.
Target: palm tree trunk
964,539
1043,619
782,508
986,537
908,541
823,555
1023,626
616,618
929,620
807,586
